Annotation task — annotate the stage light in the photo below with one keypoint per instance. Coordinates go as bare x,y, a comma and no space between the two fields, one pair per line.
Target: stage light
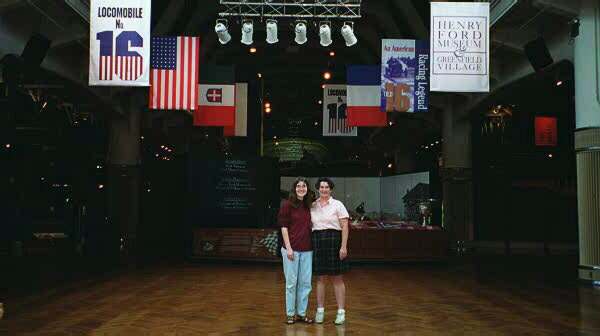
268,110
252,50
332,53
327,75
320,102
222,32
247,31
325,34
323,86
7,146
272,32
267,105
390,165
259,75
316,123
559,83
100,186
348,34
300,32
550,156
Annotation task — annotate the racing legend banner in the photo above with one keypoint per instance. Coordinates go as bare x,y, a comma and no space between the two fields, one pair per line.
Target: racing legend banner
119,43
404,75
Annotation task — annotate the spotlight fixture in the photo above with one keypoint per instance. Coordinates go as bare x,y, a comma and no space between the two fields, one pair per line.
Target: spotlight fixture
325,33
348,33
272,32
559,83
300,31
332,53
247,31
327,75
252,50
222,31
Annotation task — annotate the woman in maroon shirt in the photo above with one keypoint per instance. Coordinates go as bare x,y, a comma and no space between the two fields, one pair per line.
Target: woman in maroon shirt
294,219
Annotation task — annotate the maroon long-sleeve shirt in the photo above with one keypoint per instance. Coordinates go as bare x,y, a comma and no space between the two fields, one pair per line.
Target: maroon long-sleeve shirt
297,221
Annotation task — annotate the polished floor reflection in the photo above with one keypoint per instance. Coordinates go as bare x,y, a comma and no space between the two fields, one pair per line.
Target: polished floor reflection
247,299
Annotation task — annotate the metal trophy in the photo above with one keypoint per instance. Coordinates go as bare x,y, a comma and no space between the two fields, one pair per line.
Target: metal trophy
425,211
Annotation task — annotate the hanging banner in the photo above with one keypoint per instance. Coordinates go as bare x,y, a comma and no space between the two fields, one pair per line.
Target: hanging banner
335,118
404,75
119,43
460,46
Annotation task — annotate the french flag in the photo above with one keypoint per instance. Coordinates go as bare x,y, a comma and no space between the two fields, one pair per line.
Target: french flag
364,96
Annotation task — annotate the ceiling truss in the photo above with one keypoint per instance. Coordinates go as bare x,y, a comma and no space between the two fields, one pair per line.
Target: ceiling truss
323,9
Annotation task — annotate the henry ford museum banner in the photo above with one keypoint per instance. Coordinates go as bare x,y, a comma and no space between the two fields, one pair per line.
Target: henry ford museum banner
120,42
460,46
404,75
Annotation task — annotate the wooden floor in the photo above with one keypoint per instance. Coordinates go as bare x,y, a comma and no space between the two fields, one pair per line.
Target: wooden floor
247,299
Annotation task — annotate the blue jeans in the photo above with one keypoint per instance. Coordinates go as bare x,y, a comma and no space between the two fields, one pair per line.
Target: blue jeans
298,274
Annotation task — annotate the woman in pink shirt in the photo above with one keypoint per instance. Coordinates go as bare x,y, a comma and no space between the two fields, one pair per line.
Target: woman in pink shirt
294,219
330,237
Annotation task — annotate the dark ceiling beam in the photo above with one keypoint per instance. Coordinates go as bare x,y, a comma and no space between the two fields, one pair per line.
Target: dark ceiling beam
168,17
411,16
384,18
7,4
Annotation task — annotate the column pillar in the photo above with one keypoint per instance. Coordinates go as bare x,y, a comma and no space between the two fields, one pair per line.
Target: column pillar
124,171
456,175
587,138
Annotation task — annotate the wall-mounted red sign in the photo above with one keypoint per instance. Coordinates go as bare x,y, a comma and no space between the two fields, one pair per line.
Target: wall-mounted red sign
546,133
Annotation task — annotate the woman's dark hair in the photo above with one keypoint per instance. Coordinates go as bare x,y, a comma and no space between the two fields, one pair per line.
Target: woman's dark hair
307,200
326,180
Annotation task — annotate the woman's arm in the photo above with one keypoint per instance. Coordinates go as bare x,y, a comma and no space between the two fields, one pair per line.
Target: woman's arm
284,219
343,248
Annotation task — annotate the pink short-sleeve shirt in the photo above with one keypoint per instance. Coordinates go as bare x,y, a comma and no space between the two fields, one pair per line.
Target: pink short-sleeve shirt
328,216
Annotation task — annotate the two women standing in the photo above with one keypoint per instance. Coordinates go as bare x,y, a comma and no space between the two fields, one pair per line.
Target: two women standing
327,218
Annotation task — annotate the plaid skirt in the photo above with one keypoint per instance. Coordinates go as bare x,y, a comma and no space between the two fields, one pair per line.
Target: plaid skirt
326,253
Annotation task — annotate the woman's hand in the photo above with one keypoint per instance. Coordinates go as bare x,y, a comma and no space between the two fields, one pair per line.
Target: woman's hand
343,253
290,254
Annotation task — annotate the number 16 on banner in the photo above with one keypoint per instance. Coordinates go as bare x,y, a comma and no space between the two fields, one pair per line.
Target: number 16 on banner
397,97
120,42
125,63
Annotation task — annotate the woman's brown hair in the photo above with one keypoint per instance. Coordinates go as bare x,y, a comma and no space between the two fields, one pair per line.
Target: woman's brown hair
307,200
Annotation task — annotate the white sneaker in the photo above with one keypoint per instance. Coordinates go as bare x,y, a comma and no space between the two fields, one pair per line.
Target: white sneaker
340,317
320,316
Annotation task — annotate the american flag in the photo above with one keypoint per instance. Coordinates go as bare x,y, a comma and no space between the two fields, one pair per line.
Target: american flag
174,73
